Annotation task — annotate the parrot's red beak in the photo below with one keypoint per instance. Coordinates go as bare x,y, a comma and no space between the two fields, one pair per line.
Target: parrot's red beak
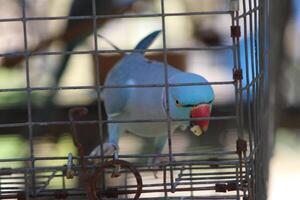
200,111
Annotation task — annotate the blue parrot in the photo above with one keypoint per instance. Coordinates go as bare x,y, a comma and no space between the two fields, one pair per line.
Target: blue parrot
140,103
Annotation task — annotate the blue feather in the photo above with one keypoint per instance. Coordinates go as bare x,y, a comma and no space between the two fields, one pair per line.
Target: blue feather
147,41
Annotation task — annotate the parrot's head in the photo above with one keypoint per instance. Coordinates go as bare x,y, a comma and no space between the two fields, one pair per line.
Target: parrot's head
193,101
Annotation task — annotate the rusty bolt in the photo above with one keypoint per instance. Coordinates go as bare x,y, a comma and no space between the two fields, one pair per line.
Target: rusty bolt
237,74
235,31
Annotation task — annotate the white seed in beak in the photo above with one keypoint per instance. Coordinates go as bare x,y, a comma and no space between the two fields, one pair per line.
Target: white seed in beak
196,130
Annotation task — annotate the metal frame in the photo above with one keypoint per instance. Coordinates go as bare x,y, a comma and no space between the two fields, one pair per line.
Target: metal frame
237,169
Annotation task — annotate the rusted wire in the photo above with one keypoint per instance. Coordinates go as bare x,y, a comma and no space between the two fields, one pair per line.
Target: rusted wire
74,113
91,179
123,164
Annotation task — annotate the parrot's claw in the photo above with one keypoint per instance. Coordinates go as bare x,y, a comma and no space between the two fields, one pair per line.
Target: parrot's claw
156,164
108,149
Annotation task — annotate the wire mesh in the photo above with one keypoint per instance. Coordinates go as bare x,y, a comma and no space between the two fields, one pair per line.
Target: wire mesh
229,173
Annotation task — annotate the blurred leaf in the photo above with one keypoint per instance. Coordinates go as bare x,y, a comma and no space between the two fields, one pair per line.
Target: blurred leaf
12,146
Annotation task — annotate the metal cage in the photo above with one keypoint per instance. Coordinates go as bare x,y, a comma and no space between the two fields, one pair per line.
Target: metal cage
236,172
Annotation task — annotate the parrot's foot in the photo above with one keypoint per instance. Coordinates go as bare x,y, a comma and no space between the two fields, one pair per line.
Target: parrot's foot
108,149
157,164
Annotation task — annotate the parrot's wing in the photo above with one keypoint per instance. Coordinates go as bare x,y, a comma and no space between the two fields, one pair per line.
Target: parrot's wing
115,99
147,41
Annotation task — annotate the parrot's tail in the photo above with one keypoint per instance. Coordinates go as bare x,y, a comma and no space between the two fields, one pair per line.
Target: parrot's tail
147,41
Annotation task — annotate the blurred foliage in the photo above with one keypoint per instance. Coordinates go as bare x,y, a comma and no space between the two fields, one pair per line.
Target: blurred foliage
13,146
15,78
10,78
45,148
64,145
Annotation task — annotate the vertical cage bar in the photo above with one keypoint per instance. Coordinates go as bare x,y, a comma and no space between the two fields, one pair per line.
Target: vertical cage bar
256,40
258,87
191,180
256,74
254,91
126,183
266,93
254,95
238,83
27,187
248,98
239,91
266,133
248,104
63,180
239,104
98,84
248,167
169,120
237,182
28,90
165,182
257,71
253,73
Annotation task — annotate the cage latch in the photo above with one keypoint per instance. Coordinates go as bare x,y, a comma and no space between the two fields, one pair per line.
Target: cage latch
117,168
70,171
235,31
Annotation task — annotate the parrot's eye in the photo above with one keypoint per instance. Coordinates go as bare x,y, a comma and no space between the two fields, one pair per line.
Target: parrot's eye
177,103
